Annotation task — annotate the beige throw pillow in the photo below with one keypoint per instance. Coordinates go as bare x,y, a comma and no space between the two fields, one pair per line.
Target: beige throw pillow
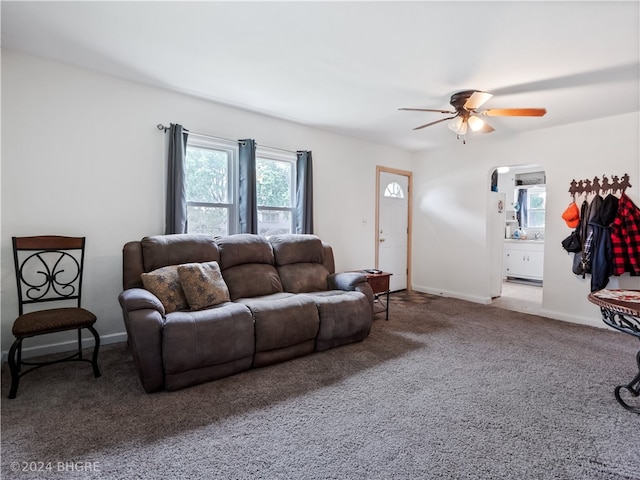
164,283
203,284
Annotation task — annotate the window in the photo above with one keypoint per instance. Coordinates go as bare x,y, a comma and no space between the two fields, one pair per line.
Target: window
210,171
275,191
394,190
211,177
535,205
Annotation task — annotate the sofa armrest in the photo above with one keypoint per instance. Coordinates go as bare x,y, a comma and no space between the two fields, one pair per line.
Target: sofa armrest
144,320
140,299
346,280
354,281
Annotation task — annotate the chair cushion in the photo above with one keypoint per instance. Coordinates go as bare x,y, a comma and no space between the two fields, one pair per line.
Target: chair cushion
52,320
164,283
203,284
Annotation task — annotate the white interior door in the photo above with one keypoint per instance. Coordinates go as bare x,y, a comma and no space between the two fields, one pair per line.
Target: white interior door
393,227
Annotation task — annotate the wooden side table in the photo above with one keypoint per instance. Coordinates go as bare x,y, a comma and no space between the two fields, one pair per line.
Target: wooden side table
380,285
621,310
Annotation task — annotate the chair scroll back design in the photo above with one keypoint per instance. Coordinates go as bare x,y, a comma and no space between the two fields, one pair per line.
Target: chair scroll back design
49,269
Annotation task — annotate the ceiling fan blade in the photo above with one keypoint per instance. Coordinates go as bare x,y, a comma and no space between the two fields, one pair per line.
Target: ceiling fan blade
476,99
515,112
433,123
427,110
486,128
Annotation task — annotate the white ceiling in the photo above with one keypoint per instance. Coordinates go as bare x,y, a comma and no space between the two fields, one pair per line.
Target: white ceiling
347,67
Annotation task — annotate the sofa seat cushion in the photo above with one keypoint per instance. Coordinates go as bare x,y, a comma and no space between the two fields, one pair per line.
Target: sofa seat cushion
303,277
198,339
345,317
283,321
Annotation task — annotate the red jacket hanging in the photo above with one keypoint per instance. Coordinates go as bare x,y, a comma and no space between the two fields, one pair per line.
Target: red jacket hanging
625,238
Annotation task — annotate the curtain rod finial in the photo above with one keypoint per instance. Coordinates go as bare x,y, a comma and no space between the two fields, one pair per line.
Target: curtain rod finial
161,127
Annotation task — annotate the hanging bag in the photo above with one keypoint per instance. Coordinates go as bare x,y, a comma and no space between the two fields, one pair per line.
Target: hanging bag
572,243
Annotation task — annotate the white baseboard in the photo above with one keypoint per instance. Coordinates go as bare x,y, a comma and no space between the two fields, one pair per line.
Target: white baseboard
67,346
450,294
591,322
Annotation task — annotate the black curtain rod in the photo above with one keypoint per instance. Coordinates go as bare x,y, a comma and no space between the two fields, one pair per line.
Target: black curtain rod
165,128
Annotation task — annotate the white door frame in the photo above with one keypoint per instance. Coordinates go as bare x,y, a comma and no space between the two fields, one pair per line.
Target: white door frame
409,175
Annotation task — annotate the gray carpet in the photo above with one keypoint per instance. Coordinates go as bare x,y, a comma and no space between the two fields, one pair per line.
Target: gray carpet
445,389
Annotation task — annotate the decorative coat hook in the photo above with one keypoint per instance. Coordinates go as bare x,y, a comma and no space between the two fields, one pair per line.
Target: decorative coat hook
596,186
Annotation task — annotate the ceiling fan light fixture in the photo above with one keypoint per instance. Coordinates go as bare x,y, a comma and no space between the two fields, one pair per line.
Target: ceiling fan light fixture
458,125
475,123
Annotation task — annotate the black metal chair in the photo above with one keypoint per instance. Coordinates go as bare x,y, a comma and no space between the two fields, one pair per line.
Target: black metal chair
49,269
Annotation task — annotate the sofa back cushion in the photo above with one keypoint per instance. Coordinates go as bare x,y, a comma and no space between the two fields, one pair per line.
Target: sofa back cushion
243,248
162,250
303,277
247,266
300,262
297,248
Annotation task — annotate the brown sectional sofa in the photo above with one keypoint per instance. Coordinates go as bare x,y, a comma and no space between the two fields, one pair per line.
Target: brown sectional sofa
284,300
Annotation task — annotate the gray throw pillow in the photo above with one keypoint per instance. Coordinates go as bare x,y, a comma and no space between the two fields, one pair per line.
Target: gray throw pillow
203,284
164,283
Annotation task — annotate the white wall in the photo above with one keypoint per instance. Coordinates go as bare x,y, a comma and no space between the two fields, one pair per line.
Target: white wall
451,185
81,155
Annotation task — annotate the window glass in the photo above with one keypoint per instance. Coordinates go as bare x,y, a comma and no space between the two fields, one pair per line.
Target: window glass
394,190
210,189
211,220
275,191
536,205
207,173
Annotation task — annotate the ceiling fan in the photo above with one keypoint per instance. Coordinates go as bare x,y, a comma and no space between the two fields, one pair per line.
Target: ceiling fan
467,116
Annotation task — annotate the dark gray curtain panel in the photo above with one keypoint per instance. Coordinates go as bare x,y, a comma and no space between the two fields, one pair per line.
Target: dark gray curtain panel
247,196
304,193
176,212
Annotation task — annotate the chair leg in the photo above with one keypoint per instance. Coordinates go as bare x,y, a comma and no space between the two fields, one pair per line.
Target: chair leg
94,361
15,367
80,343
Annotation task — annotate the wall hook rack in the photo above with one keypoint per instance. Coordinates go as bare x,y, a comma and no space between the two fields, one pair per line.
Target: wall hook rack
596,186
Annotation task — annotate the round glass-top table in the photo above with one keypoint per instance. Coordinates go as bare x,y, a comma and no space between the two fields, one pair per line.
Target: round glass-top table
621,310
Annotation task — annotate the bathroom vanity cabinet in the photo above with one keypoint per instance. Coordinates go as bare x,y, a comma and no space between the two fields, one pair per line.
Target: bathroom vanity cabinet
524,259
